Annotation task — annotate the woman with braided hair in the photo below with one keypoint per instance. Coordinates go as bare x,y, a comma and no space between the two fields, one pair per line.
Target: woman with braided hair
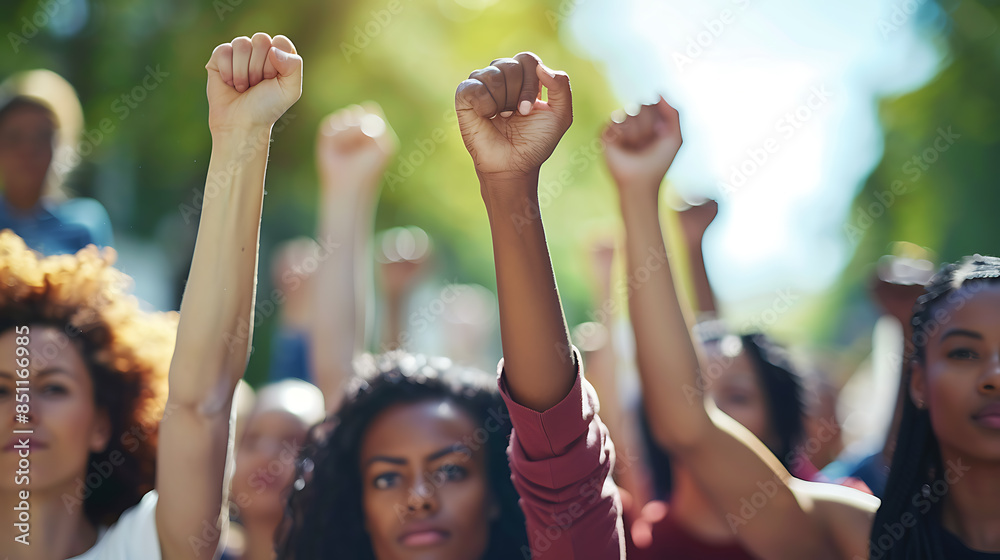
942,498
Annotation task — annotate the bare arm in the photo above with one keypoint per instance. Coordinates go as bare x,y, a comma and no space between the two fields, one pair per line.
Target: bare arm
216,322
682,420
508,152
694,222
352,148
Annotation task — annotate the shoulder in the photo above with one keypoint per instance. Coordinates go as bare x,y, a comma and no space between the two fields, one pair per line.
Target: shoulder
133,536
846,513
90,214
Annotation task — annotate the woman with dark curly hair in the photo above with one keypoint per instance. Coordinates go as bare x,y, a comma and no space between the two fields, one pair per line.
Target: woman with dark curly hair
412,464
82,370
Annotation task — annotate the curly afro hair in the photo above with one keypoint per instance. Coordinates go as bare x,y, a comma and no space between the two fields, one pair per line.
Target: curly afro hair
127,352
325,517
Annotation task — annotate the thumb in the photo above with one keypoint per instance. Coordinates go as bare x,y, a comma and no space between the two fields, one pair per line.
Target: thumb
559,95
288,65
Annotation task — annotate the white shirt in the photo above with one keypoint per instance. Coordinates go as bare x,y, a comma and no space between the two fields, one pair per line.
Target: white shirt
133,537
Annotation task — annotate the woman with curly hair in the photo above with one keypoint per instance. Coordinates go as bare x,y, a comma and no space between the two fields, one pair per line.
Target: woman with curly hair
94,364
412,463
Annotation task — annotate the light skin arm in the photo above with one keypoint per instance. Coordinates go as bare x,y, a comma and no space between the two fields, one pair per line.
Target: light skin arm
251,82
352,148
510,133
685,423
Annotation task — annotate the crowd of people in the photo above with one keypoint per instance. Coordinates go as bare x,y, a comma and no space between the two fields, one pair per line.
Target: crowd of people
144,442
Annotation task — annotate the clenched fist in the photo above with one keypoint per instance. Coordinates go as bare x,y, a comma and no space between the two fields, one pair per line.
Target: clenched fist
508,131
252,82
353,146
640,149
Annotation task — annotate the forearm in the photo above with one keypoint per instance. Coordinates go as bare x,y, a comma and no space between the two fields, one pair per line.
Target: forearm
216,323
665,354
704,296
537,357
339,285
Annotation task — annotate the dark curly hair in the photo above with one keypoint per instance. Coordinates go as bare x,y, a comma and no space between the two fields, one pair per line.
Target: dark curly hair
916,462
325,516
126,351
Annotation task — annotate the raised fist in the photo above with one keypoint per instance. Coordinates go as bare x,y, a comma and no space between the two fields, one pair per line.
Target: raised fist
252,82
508,131
354,145
640,148
696,219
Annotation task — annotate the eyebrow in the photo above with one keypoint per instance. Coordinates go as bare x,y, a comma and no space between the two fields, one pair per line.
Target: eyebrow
453,448
43,373
961,332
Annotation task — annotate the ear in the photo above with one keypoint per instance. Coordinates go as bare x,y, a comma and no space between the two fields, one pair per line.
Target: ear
918,384
100,433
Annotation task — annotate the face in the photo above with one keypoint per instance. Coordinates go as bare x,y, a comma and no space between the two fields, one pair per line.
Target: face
61,410
959,381
736,390
26,142
265,464
425,494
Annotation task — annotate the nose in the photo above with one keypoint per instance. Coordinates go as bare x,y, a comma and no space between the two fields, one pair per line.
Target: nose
422,496
990,382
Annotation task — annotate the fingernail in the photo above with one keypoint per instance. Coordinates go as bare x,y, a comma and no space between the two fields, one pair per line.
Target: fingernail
547,70
524,108
506,114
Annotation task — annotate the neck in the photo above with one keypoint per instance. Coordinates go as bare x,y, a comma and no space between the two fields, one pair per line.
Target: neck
55,529
971,508
259,535
694,511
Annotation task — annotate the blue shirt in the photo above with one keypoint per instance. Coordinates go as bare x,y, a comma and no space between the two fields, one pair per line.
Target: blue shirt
55,229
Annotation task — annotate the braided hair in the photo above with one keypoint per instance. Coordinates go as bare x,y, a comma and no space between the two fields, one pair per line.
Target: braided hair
325,516
906,525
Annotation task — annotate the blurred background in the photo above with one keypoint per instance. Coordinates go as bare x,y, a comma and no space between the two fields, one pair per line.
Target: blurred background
826,131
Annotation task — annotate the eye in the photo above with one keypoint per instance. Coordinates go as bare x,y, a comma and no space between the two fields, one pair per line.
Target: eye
385,481
450,473
4,392
962,354
54,389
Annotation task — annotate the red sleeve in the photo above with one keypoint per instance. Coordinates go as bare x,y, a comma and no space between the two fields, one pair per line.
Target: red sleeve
561,462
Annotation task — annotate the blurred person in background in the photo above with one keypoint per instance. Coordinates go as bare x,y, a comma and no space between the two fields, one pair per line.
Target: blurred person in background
40,124
715,456
874,396
274,431
293,264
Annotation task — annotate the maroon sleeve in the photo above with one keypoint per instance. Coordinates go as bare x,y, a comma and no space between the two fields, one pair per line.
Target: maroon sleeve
561,462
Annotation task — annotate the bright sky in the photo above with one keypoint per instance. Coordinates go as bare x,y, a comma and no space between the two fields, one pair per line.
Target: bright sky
778,103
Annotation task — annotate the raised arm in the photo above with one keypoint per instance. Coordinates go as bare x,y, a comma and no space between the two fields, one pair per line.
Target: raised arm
509,150
250,84
353,147
694,221
560,454
731,465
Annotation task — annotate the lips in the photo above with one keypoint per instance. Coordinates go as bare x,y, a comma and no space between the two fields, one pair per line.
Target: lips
14,445
989,416
423,534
